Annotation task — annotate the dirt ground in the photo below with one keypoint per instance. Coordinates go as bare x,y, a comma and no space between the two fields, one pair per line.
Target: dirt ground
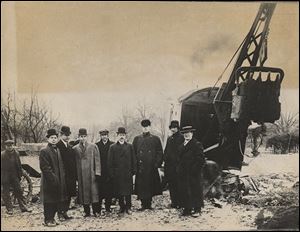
275,176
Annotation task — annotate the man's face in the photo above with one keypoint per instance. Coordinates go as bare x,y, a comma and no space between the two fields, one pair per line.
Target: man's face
174,130
9,147
146,129
104,137
121,137
65,138
188,135
82,138
53,139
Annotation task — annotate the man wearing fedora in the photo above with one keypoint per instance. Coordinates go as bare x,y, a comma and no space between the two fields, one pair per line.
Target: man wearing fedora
53,186
191,161
68,157
105,184
121,168
88,171
171,158
149,152
11,173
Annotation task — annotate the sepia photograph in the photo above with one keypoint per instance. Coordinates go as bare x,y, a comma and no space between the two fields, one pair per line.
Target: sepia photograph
149,116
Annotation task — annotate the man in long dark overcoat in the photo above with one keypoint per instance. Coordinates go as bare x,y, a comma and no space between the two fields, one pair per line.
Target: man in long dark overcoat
191,161
88,171
171,159
149,152
68,157
53,186
104,182
11,173
121,168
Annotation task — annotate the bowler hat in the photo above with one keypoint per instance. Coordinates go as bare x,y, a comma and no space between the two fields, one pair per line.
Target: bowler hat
51,132
187,129
174,124
8,142
104,132
121,130
65,130
82,131
145,123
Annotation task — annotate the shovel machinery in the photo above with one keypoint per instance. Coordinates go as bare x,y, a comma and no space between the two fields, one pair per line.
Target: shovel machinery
222,115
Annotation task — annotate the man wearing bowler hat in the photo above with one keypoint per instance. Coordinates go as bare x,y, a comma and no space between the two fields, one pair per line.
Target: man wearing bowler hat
11,173
191,161
149,152
88,171
121,168
105,184
68,157
53,186
171,158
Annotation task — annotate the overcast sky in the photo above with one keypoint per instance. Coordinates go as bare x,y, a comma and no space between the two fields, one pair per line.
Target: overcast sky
92,58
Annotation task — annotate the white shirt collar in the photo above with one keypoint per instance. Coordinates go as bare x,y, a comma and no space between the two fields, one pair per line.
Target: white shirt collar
66,144
185,142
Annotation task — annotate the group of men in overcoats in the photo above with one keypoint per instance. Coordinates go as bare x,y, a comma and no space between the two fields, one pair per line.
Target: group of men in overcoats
105,170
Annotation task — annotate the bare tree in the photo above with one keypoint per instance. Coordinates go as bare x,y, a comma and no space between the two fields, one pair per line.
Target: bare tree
28,121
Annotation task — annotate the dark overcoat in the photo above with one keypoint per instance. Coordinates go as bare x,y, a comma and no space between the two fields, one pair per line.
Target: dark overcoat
191,161
122,167
171,156
53,186
68,157
149,152
11,168
88,167
105,184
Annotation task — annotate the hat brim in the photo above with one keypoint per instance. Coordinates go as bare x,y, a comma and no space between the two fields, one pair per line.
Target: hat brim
186,131
51,135
170,127
9,143
65,133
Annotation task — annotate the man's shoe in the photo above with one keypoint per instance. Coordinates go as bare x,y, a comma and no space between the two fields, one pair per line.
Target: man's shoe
61,217
10,212
65,215
87,215
55,222
50,224
142,209
122,211
128,211
195,214
186,213
26,210
174,206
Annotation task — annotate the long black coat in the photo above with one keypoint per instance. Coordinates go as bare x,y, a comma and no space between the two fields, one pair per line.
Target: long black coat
149,152
11,168
68,158
191,161
121,167
171,156
53,186
105,184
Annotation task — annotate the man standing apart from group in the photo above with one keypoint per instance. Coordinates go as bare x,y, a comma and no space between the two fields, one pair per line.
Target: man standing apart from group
171,159
104,184
88,170
68,158
191,161
11,173
149,152
122,167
